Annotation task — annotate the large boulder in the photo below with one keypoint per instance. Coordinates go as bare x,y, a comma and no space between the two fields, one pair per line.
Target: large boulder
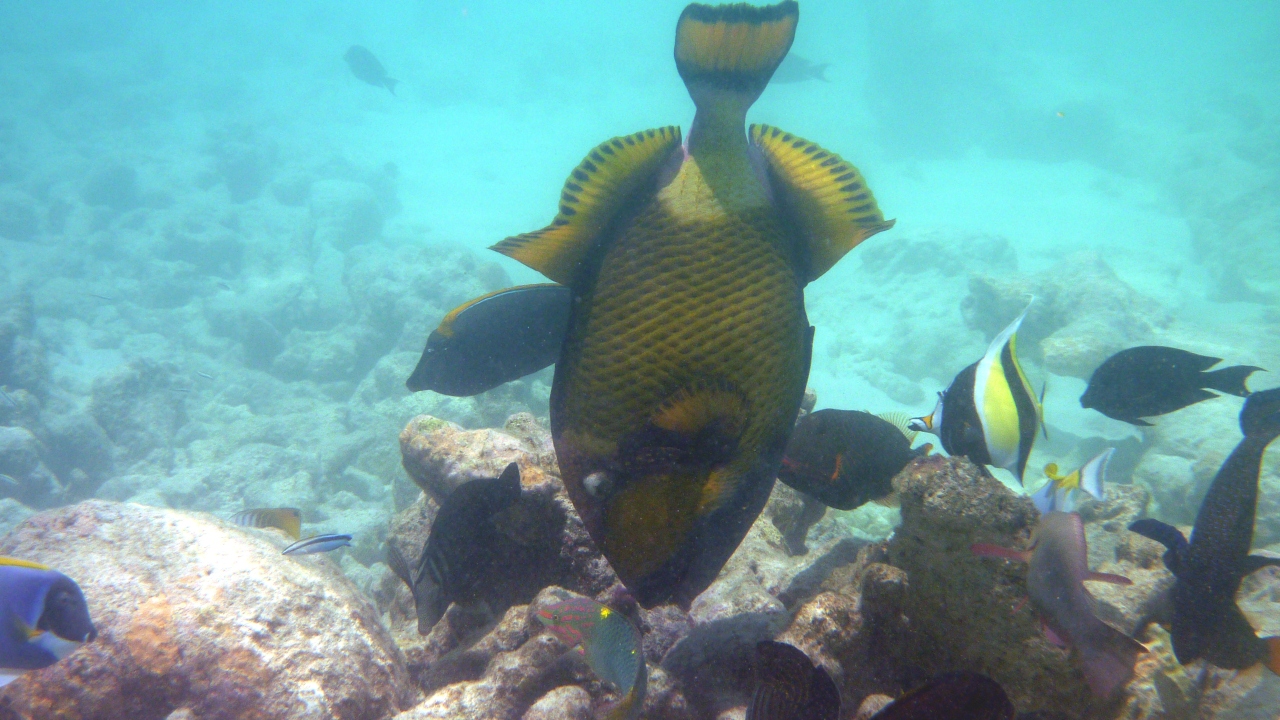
197,615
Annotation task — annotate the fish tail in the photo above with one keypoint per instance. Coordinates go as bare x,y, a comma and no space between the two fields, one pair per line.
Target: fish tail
629,707
731,51
1261,414
1230,380
1108,663
1273,654
390,83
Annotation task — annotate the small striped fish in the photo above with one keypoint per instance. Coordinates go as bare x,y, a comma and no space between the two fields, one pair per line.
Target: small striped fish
287,519
319,544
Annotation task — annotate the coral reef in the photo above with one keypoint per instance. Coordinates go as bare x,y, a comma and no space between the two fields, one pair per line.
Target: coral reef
194,614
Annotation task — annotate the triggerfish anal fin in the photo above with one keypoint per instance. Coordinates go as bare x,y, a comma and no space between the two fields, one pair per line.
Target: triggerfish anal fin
494,339
825,197
1006,406
596,191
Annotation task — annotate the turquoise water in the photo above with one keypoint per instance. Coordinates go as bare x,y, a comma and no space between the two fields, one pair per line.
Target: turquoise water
221,252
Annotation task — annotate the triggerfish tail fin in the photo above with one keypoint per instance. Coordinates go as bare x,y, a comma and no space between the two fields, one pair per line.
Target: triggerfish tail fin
1260,417
494,339
603,184
1171,537
727,53
824,196
1273,654
1006,405
1231,380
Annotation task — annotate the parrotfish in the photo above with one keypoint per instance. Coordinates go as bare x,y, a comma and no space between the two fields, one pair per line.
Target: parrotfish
288,520
687,346
366,67
1061,491
319,544
609,642
846,458
1059,565
458,557
43,617
1207,623
989,412
790,687
953,696
1152,380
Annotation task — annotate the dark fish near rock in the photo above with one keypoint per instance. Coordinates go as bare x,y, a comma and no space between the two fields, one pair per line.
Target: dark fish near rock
288,520
1153,380
1059,565
494,339
790,687
845,458
687,347
953,696
366,67
458,557
796,69
989,412
1207,623
43,617
319,544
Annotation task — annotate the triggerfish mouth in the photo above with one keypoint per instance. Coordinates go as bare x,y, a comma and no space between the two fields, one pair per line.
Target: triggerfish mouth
1059,565
686,348
989,412
1207,623
43,617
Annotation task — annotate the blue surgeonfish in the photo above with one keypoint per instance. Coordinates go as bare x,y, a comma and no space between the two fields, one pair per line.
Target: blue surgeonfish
1062,492
318,544
989,412
43,617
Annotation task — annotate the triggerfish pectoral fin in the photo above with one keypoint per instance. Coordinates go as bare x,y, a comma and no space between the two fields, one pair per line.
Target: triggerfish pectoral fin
602,185
1006,405
494,339
823,195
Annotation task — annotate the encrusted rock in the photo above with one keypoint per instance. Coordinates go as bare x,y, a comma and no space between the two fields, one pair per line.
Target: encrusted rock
196,614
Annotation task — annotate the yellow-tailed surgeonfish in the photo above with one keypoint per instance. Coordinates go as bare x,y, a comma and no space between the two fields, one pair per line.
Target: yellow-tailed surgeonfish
989,412
43,617
687,345
1061,491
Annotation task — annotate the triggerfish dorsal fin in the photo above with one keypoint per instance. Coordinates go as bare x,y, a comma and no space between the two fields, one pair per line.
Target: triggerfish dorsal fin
602,184
727,50
824,196
1005,404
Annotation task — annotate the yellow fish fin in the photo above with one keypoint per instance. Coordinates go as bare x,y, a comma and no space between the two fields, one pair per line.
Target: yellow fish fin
735,47
15,562
596,190
446,325
826,197
287,520
900,420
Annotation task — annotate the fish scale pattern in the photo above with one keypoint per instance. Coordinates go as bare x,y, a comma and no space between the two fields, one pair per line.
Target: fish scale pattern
678,306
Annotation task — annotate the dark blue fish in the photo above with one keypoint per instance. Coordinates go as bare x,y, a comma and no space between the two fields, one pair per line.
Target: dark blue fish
1153,380
1207,623
43,617
366,67
318,544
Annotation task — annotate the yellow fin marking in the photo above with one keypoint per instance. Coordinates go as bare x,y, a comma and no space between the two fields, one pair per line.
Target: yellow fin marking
595,192
900,420
691,411
826,197
15,562
446,325
738,46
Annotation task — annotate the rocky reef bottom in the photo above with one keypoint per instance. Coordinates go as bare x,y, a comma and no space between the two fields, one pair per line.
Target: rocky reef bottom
201,619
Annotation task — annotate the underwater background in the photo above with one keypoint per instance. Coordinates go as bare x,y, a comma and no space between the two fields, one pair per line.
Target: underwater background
221,252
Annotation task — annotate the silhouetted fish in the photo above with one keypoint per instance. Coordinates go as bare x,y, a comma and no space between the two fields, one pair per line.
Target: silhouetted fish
1207,623
790,687
367,68
610,644
1153,380
795,69
43,617
845,458
953,696
1059,562
458,557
